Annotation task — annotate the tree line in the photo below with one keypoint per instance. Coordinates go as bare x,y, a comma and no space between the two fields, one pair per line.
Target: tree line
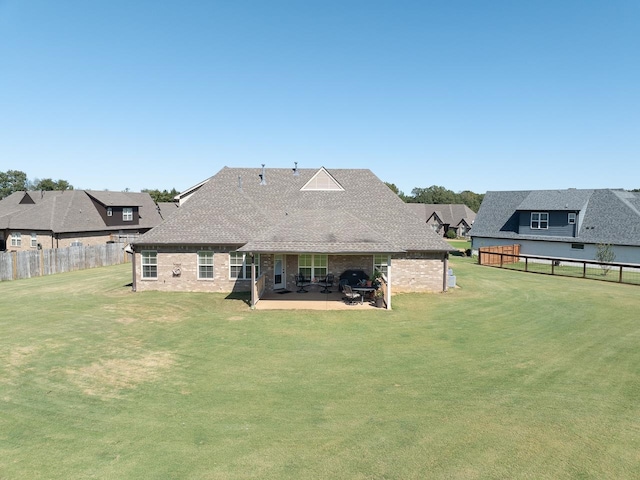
13,181
436,194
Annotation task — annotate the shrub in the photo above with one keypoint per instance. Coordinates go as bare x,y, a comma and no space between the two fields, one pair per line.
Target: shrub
605,253
451,233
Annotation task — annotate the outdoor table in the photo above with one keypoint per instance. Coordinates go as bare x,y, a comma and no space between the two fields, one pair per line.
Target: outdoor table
362,290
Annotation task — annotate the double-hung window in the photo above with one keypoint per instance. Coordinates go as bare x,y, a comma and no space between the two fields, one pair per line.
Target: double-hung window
16,239
205,265
572,218
539,220
381,263
313,266
109,212
149,264
240,265
127,214
34,240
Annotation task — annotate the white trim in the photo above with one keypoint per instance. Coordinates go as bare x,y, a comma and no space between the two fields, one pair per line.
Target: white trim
331,184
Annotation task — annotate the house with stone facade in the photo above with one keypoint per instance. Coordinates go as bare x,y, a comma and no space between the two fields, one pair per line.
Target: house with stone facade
56,219
444,217
255,230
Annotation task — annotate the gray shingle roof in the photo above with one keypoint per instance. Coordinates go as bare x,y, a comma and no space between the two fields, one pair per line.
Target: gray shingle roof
72,211
450,214
366,217
608,215
571,199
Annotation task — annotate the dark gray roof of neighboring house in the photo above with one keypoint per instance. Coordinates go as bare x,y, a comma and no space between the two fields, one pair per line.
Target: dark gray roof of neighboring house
571,199
607,216
449,214
72,211
364,217
116,199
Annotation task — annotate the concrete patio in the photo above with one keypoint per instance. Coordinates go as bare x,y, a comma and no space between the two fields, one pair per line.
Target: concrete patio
312,300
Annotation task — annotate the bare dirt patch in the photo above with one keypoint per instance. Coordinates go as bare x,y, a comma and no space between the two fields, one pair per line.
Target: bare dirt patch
235,318
20,355
107,378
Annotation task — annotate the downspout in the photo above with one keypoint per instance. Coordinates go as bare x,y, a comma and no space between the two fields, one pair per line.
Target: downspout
134,285
445,272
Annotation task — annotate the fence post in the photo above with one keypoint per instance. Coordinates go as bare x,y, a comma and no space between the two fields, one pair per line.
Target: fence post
14,265
620,277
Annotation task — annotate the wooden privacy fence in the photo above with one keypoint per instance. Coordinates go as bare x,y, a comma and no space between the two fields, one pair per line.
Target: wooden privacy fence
498,255
37,263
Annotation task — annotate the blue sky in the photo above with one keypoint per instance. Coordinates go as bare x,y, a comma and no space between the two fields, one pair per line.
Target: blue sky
469,95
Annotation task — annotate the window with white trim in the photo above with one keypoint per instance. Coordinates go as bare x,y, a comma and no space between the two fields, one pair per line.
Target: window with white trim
149,264
127,214
205,265
381,263
240,265
572,218
16,239
539,220
34,239
313,266
109,212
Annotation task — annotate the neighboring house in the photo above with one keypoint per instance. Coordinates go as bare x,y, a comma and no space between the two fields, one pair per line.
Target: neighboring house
444,217
53,219
561,223
310,222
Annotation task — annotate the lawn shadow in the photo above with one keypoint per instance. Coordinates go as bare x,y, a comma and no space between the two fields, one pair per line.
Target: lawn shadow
244,296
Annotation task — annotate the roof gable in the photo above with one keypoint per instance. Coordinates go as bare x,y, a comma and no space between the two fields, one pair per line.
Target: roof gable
322,181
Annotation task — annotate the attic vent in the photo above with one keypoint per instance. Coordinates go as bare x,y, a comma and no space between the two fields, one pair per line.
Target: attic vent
263,179
323,181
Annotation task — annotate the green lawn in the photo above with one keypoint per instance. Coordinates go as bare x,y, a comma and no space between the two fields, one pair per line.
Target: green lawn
510,376
461,244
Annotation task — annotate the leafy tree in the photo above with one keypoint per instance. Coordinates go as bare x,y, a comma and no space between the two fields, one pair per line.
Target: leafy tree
51,185
605,253
433,194
161,196
470,199
397,191
440,195
12,181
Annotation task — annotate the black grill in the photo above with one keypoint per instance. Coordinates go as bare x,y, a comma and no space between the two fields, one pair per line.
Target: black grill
352,277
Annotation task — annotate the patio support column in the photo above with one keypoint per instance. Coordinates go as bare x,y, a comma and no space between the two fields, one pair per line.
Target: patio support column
388,299
254,293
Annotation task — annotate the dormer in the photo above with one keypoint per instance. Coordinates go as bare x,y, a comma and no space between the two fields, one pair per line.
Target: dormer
116,208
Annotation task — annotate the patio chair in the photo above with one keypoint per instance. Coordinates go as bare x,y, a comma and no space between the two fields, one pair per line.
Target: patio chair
326,284
351,296
301,282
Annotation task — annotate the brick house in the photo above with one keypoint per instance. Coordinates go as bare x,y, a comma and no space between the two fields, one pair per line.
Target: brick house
244,227
55,219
